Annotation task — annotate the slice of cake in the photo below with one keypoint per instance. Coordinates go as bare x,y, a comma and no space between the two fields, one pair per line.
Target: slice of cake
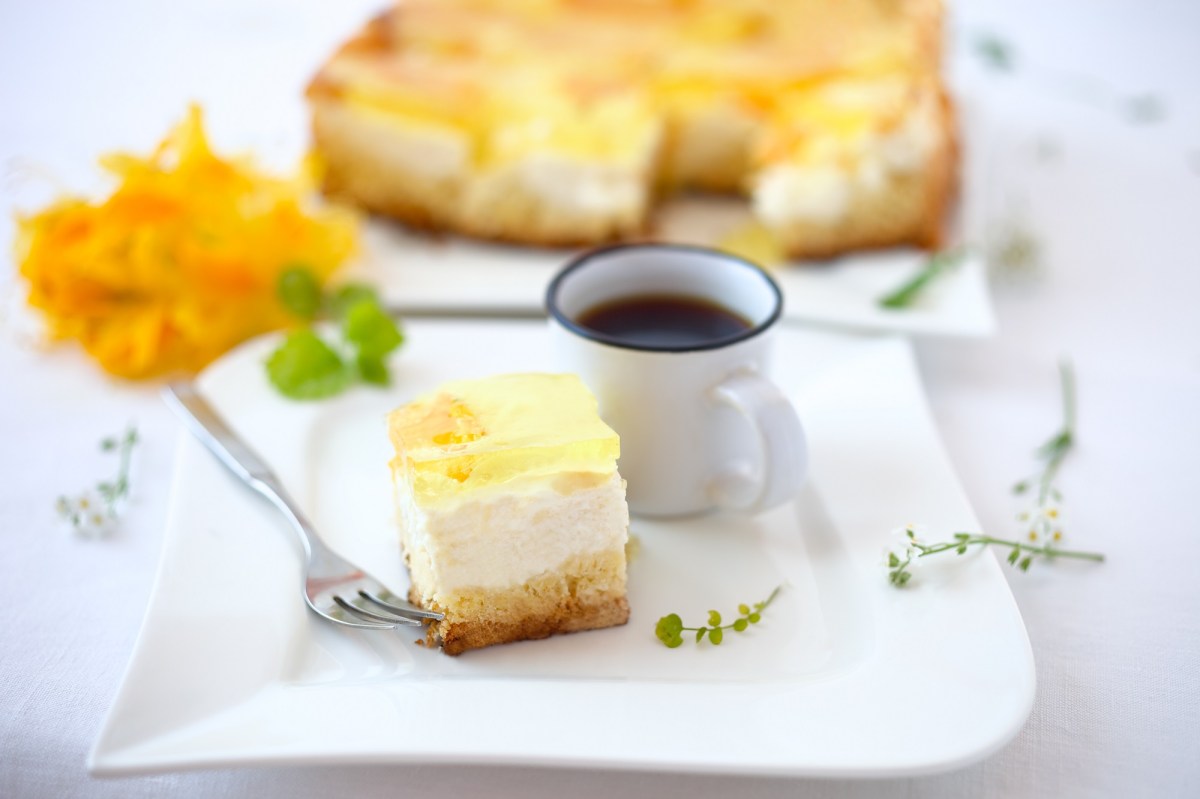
512,513
560,122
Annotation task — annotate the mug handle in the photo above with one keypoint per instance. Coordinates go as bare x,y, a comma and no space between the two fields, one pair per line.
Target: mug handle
781,441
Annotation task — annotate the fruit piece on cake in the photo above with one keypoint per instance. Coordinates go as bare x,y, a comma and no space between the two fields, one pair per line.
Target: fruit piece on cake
512,513
560,122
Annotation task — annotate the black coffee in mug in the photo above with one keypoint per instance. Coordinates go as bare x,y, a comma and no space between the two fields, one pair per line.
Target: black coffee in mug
663,320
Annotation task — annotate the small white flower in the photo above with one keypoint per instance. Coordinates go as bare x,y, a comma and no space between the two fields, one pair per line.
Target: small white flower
87,513
901,544
94,513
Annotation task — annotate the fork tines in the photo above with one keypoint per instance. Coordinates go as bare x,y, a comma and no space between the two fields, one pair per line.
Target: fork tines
386,613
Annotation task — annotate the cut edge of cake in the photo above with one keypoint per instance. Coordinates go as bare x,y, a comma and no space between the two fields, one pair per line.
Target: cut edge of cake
509,549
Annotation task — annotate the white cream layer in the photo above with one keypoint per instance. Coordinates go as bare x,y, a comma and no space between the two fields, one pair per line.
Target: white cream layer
564,183
578,187
434,151
505,536
822,190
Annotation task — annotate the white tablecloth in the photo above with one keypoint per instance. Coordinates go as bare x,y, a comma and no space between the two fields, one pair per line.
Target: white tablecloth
1113,196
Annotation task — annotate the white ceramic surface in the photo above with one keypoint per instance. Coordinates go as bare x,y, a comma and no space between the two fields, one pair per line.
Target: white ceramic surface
423,274
846,675
702,426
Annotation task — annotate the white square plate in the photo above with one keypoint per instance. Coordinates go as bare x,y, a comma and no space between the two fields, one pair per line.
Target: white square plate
846,675
419,274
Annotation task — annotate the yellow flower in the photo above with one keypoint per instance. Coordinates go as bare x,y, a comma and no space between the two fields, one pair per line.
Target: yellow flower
181,261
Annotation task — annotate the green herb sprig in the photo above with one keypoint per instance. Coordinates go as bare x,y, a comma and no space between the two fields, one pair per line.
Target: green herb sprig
1021,554
938,264
94,513
308,367
1045,530
994,52
1000,56
670,628
1015,250
1055,450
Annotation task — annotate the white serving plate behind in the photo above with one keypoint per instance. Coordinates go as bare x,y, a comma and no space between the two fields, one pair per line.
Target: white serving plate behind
422,274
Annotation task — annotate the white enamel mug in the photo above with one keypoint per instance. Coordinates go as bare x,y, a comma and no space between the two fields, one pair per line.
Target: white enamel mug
701,428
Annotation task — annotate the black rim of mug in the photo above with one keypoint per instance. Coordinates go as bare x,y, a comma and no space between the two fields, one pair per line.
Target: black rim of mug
585,258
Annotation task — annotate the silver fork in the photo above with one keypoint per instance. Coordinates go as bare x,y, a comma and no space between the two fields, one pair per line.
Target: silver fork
333,587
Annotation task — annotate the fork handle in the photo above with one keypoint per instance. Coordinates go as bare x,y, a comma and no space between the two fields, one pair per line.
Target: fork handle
207,425
215,434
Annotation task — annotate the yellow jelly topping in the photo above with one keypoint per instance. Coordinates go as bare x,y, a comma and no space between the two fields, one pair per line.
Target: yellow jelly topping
472,434
600,79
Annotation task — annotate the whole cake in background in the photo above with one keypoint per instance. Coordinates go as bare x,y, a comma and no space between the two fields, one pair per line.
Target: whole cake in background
563,122
512,514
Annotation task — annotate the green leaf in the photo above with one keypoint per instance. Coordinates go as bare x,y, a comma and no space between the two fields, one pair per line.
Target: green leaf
994,52
299,291
373,370
369,328
304,367
108,445
938,264
700,634
740,625
961,536
1024,564
743,609
347,296
893,561
670,624
1056,446
714,618
668,630
1012,556
716,636
754,618
961,549
1021,487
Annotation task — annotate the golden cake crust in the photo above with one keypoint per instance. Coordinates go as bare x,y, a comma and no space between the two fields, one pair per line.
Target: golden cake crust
585,594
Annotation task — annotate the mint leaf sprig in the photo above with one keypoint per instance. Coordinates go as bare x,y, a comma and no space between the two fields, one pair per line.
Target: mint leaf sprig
308,367
1021,554
670,628
939,263
94,513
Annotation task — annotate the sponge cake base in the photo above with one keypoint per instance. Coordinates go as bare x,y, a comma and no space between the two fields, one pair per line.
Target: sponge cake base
577,596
